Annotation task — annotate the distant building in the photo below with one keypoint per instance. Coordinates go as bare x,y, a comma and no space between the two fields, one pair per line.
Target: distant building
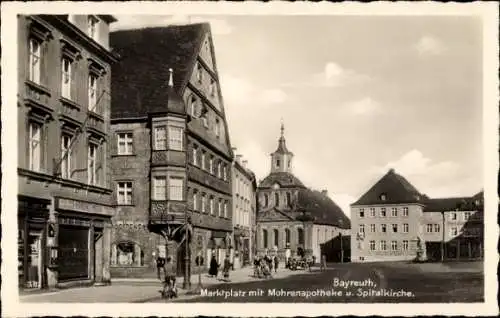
64,203
244,216
394,221
291,216
171,151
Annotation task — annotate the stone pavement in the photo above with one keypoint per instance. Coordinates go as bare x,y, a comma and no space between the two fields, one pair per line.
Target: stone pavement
141,290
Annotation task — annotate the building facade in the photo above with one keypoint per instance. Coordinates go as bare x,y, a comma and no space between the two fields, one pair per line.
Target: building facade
172,161
291,216
65,206
394,221
244,203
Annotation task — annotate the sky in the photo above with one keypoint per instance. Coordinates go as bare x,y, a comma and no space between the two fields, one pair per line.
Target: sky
358,95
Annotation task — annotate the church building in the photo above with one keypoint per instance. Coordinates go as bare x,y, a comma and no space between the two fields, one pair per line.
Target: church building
291,216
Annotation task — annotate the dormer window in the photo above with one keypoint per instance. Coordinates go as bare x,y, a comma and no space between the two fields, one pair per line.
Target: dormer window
217,128
383,197
92,27
193,106
199,73
212,88
278,163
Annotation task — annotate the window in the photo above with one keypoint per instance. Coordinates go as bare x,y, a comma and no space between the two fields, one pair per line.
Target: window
193,106
34,60
277,163
224,171
395,228
176,189
437,228
266,199
394,212
211,164
217,128
225,210
199,72
383,212
372,245
124,191
195,200
405,228
66,156
276,237
35,146
405,211
287,236
195,155
383,197
212,88
428,228
92,92
160,138
383,228
467,216
92,27
288,199
394,245
127,254
361,228
405,245
372,228
212,205
372,212
383,245
361,213
125,143
91,163
203,203
159,188
300,236
66,78
203,160
453,216
264,238
276,199
454,231
175,138
219,169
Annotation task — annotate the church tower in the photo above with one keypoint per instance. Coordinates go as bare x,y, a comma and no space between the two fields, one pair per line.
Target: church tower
281,159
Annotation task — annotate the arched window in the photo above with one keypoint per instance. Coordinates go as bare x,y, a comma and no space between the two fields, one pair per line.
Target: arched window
300,236
127,253
287,236
266,199
276,199
288,199
276,237
264,238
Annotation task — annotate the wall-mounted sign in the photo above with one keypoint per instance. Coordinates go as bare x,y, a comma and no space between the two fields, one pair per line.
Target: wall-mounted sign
82,206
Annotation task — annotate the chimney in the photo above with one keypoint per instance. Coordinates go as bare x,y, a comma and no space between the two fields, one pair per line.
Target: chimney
324,192
245,162
238,158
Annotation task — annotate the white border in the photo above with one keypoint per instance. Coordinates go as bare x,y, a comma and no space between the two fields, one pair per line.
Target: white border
10,299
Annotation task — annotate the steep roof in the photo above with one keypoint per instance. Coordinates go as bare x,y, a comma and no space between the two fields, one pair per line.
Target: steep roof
284,179
139,81
395,188
322,208
446,204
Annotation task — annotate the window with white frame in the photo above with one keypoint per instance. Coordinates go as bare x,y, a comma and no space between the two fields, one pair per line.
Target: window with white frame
195,155
35,146
212,206
92,163
372,212
395,228
383,245
160,188
219,208
193,106
454,231
405,227
176,188
372,228
92,23
453,216
160,135
92,93
66,66
203,203
383,212
124,190
125,143
467,216
428,228
66,156
437,228
394,212
199,72
35,59
211,164
372,245
361,228
394,245
225,209
224,172
195,200
383,228
361,213
203,160
405,245
219,169
405,211
175,138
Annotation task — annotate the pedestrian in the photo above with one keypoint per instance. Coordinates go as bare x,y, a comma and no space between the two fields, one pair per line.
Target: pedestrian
226,268
256,265
170,276
160,265
214,267
288,253
276,262
323,262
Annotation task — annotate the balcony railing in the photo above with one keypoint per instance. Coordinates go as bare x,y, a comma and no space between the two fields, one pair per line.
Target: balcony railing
38,96
212,181
167,212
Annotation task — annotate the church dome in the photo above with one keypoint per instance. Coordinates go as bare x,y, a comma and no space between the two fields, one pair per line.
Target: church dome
283,179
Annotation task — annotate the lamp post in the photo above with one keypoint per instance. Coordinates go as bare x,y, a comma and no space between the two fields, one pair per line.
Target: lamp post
442,237
187,275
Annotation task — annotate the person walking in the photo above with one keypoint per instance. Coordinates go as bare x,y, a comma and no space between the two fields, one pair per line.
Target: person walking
170,278
276,262
214,267
160,265
323,262
226,268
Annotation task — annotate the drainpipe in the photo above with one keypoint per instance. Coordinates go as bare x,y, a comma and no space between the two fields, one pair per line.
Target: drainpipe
442,239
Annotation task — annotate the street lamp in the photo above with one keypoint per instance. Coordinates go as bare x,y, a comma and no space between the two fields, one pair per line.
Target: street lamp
442,237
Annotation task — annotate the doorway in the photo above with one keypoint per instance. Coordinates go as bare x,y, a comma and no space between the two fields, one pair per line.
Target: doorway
34,260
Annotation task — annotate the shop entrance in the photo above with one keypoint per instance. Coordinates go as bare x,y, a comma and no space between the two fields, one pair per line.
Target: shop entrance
73,252
34,260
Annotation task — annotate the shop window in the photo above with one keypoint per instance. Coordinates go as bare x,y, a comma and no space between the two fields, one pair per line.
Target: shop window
127,254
